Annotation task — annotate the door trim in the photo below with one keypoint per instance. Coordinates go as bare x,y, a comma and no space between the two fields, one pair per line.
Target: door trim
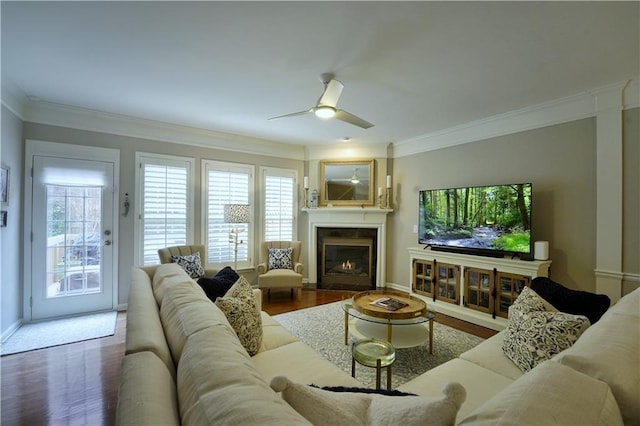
63,150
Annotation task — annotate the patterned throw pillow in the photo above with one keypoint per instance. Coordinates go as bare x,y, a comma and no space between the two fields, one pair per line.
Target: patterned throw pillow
191,264
535,334
241,311
280,258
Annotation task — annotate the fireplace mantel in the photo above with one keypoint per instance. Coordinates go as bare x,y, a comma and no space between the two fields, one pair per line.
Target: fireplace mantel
348,217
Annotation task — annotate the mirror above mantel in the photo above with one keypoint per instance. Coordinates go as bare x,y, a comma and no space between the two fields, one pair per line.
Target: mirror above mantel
347,182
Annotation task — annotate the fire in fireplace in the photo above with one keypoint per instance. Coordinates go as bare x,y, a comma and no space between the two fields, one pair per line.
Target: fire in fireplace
347,263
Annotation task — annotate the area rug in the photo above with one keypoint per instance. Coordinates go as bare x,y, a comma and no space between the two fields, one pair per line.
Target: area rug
39,335
322,328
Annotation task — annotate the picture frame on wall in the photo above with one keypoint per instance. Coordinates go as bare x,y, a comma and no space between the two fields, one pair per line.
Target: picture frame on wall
4,184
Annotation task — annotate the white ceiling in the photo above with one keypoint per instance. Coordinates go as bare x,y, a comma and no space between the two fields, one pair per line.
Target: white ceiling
410,68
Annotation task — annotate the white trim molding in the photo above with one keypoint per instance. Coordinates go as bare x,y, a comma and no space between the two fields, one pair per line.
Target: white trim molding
609,104
98,121
562,110
348,217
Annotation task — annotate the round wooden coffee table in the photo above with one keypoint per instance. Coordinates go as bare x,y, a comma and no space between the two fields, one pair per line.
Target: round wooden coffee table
371,317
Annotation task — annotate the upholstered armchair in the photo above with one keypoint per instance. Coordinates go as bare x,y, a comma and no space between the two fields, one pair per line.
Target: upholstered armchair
280,267
165,255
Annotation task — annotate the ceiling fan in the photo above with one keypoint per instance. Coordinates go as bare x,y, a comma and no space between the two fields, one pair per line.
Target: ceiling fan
326,106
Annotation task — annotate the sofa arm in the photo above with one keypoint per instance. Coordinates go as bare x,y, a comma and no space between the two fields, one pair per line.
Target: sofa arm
262,268
298,267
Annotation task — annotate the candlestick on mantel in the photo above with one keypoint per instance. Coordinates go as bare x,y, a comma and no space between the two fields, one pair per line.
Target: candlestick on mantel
388,181
306,182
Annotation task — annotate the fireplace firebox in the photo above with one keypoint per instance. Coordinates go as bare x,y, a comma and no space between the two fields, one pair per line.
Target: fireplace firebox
347,259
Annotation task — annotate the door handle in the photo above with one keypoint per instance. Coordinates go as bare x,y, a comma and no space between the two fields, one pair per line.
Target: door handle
107,243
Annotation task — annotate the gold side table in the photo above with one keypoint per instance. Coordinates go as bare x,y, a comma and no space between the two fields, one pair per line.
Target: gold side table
373,353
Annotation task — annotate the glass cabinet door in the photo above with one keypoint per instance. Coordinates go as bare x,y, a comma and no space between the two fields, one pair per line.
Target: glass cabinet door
508,289
423,277
448,282
478,289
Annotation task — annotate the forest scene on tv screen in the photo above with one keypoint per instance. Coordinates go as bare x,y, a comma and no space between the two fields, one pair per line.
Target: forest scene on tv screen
494,218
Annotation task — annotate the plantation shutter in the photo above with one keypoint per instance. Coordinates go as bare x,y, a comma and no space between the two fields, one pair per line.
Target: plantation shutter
279,205
226,183
164,206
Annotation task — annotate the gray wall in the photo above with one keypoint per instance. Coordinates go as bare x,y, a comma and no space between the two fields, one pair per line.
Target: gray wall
11,274
128,147
560,163
558,160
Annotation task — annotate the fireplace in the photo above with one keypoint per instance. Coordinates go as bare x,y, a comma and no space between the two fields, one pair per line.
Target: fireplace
347,258
362,222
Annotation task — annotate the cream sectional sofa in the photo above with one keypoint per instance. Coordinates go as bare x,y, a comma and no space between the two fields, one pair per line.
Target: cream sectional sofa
185,365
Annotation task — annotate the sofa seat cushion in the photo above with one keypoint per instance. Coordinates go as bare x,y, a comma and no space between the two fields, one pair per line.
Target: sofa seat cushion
186,310
480,383
147,394
534,334
301,364
489,354
144,329
274,334
550,394
219,385
344,408
609,352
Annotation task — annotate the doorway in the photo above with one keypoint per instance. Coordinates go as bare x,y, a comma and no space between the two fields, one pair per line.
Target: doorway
70,261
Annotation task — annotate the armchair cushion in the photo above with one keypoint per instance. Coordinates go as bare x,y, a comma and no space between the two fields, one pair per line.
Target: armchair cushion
280,258
191,264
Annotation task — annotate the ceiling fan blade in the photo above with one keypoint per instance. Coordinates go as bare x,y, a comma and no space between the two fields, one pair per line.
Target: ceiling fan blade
293,114
347,117
331,93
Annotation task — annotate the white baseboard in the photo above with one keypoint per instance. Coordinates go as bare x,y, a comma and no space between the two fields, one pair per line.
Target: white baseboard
12,329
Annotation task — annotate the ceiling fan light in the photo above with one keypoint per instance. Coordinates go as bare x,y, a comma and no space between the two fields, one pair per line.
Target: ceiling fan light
325,112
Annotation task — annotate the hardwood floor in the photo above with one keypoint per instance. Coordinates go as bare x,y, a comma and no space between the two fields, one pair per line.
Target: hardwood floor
77,384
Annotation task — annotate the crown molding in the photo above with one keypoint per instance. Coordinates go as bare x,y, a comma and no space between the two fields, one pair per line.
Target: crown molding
122,125
346,150
13,102
558,111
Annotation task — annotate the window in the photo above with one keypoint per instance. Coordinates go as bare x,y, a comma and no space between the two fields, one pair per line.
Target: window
226,183
165,200
279,204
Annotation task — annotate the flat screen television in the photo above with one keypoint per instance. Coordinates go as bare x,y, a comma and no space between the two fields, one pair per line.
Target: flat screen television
484,220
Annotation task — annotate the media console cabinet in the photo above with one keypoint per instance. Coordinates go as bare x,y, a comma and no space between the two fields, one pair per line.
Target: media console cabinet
472,288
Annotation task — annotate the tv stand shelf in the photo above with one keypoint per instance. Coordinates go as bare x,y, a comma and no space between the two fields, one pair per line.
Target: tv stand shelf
472,288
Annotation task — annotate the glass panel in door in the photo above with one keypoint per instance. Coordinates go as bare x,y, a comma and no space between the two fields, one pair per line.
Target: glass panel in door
72,248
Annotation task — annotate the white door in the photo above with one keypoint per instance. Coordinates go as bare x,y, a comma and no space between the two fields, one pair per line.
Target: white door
72,249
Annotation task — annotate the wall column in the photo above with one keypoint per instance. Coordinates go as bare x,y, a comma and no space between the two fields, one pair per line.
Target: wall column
609,172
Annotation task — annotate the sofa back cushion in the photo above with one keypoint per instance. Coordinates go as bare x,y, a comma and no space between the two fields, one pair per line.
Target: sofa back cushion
218,385
186,310
167,275
610,351
144,329
147,394
549,394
